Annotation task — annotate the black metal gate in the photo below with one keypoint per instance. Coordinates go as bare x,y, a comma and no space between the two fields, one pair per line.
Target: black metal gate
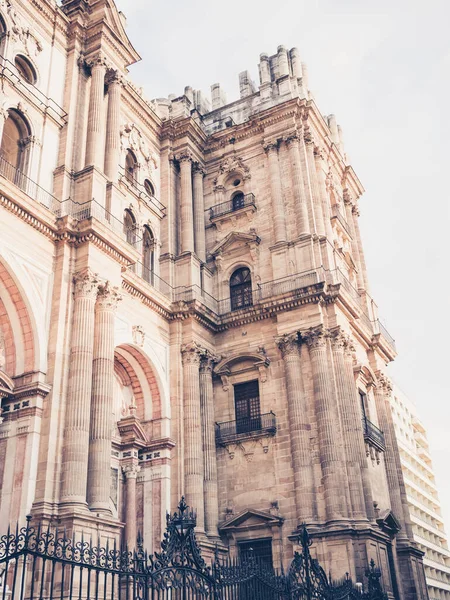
43,564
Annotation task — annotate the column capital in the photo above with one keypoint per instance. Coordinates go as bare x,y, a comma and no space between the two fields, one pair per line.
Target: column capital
355,210
97,60
184,157
115,77
270,146
384,383
198,169
316,338
192,353
86,284
131,471
108,297
307,136
288,344
208,361
319,153
291,138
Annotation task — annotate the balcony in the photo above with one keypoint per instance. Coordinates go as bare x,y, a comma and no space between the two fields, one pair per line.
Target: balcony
141,192
373,436
341,218
29,187
30,92
230,432
234,205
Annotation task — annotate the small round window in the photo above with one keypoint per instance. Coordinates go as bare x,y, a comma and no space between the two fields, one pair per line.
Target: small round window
236,182
149,187
25,69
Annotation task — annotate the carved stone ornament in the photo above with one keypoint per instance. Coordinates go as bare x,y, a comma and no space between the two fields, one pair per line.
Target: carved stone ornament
234,163
21,32
385,383
108,297
131,138
192,353
288,344
316,338
86,284
138,334
131,471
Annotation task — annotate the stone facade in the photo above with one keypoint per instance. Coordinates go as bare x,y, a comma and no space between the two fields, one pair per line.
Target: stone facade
184,308
422,494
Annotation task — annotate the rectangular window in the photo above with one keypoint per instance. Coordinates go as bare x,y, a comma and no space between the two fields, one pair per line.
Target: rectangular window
262,551
246,402
363,400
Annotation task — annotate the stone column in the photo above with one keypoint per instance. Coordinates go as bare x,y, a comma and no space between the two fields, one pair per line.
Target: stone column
131,472
102,404
187,215
315,192
355,247
355,212
199,214
193,455
94,139
394,473
352,433
298,185
209,446
331,457
76,428
299,429
355,418
321,181
112,147
278,211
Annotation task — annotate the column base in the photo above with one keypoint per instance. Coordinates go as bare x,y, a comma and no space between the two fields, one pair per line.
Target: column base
100,508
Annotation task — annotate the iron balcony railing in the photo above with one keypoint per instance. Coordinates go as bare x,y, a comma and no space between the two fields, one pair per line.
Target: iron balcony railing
373,435
340,216
140,190
380,328
93,209
150,277
230,431
29,187
9,71
232,205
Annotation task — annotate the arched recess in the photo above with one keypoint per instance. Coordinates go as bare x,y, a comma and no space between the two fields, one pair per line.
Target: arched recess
18,326
15,143
136,374
3,32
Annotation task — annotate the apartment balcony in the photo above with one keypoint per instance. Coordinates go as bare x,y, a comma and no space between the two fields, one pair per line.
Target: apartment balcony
373,436
239,205
231,432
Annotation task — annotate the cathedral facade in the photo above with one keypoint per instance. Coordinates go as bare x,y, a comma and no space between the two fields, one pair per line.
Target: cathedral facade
185,308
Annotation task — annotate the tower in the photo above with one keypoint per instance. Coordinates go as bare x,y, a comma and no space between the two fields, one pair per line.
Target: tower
188,309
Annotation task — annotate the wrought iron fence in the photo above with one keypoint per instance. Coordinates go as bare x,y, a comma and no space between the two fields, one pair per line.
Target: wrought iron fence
373,435
44,564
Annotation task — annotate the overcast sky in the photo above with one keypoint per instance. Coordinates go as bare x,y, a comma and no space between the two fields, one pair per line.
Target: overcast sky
383,67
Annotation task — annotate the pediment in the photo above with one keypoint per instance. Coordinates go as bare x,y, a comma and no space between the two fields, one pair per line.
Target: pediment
131,430
255,358
106,11
251,519
235,238
388,522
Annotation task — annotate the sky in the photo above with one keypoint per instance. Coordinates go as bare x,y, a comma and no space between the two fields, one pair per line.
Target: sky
383,68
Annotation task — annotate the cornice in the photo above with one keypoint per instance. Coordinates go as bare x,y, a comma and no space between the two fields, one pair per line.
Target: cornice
180,129
26,216
145,299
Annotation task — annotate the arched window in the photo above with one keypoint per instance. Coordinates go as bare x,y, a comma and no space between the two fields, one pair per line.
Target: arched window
238,200
148,255
241,289
131,167
25,69
14,146
129,227
149,189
